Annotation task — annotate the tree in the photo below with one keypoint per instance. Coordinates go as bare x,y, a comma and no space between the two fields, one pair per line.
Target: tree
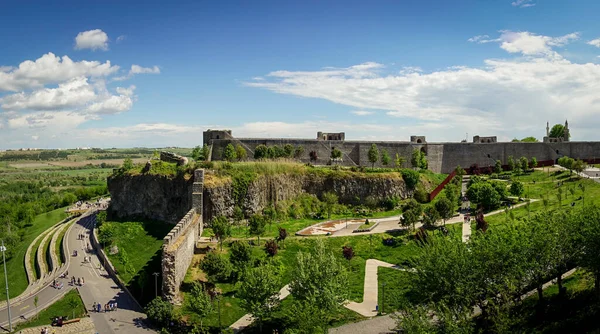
411,178
259,293
238,215
106,234
399,161
240,153
534,162
415,160
288,150
524,162
127,164
198,301
320,282
336,154
578,166
240,256
558,131
483,193
430,215
261,152
229,153
517,188
298,152
221,228
313,156
271,247
373,155
348,252
257,226
385,158
529,140
216,267
567,163
498,167
444,208
589,219
411,213
330,199
159,312
196,153
511,163
282,235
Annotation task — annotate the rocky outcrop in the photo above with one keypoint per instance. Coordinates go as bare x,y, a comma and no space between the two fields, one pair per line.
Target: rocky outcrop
148,196
265,189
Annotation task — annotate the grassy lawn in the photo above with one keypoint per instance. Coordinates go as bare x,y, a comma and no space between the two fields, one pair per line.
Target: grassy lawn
292,226
59,244
140,241
17,277
70,304
33,256
397,291
45,252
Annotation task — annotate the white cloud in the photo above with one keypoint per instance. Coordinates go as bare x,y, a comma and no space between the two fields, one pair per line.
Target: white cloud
523,3
486,100
121,38
92,39
595,42
137,69
75,92
527,43
362,112
50,69
35,137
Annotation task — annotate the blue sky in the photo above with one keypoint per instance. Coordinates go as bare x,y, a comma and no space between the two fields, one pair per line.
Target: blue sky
160,73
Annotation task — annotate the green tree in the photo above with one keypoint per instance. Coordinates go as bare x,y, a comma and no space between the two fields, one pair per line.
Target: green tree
216,267
229,152
430,215
127,164
578,166
411,213
261,152
558,131
257,226
288,150
524,162
106,234
240,153
373,155
529,140
221,228
444,208
517,188
415,160
484,194
385,157
330,199
205,153
159,312
198,301
411,178
511,163
298,152
240,256
498,167
589,219
196,153
259,293
534,162
399,161
336,154
320,282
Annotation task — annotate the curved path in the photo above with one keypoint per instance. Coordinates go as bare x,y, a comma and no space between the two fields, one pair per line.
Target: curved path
99,287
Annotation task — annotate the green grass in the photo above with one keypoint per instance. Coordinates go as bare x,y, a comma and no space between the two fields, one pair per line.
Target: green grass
140,241
59,244
61,307
33,258
398,289
45,252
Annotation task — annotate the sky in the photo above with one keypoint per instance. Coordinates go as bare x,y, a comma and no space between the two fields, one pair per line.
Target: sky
158,73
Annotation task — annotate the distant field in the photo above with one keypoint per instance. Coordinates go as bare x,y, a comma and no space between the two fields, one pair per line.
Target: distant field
72,163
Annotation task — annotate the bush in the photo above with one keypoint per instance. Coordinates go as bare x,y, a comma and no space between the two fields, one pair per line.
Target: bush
348,252
390,203
271,247
421,196
159,312
216,267
411,178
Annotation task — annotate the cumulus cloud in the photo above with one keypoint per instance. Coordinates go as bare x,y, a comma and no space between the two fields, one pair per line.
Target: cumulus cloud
362,112
137,69
72,93
92,39
595,42
121,38
504,97
51,69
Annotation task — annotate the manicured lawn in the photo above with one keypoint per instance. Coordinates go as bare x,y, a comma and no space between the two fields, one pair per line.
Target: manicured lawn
397,291
140,241
45,252
15,267
61,307
59,244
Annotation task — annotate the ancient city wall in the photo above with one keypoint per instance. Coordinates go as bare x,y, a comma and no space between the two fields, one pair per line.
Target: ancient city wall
156,197
442,157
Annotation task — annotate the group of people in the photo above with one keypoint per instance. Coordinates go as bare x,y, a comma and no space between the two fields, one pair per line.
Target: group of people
81,236
111,306
79,281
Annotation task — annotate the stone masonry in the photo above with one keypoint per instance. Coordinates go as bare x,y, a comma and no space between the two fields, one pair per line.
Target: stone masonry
179,244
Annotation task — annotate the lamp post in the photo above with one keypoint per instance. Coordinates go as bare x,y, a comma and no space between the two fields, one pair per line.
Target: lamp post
155,284
3,250
383,298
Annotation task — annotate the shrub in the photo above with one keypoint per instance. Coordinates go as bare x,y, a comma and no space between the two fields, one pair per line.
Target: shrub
421,196
390,203
159,312
216,267
348,252
411,178
271,247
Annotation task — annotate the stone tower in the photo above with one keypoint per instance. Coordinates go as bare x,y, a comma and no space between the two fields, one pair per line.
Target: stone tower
566,131
547,129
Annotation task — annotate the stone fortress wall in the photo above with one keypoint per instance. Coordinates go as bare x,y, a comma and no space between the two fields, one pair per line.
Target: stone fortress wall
442,157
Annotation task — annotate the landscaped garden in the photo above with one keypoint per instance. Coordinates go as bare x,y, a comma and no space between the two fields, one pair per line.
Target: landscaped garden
69,305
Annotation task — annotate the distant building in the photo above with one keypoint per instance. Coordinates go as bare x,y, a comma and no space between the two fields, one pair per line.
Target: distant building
564,138
485,140
331,136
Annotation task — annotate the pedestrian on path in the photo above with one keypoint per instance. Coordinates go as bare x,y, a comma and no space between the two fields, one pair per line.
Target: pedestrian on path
115,306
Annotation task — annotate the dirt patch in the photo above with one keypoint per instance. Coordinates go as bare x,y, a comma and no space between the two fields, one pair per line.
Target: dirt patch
30,165
330,227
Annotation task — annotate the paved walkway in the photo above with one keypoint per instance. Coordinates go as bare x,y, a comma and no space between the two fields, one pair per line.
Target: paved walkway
98,287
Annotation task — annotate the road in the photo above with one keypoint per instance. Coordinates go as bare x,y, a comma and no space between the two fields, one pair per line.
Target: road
98,287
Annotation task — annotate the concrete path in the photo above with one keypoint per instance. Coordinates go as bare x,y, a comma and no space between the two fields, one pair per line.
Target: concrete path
247,319
378,325
466,231
370,289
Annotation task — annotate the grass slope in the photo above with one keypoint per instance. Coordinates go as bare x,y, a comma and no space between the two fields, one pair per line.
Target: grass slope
61,307
15,267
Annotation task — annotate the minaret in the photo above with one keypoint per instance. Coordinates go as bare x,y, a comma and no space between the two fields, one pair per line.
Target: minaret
566,131
547,129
